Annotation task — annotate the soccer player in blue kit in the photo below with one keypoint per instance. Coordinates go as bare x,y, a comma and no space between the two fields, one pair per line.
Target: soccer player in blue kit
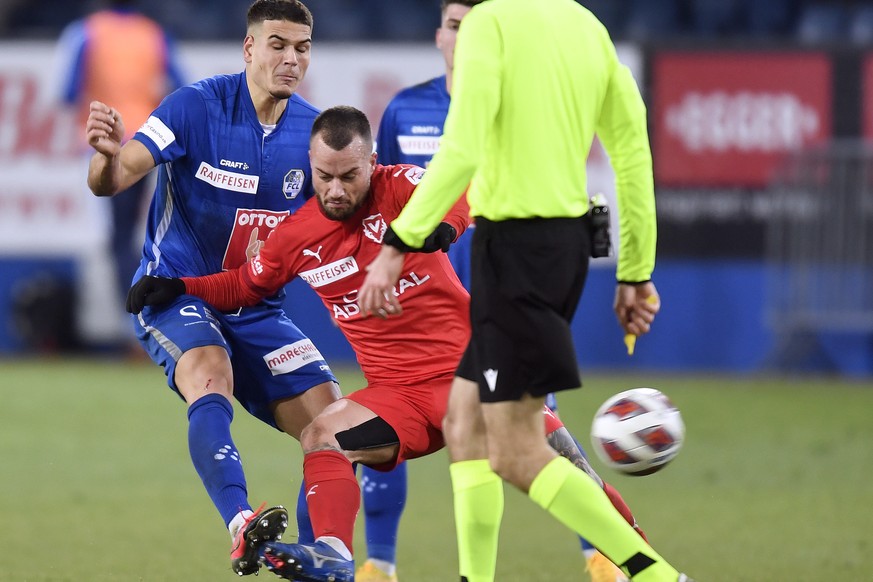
409,133
233,157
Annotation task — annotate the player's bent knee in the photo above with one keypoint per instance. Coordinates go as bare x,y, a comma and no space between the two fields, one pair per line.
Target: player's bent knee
315,435
203,371
372,434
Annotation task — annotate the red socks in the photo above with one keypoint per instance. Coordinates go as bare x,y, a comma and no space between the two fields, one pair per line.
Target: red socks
333,495
618,502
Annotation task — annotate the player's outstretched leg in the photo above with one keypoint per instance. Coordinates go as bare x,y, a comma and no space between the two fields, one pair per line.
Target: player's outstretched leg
384,495
334,498
576,501
263,525
218,464
598,566
316,562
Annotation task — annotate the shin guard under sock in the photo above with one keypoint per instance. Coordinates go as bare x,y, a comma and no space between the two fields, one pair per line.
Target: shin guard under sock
214,455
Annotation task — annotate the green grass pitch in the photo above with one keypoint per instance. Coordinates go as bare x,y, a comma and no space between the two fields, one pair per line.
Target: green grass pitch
775,483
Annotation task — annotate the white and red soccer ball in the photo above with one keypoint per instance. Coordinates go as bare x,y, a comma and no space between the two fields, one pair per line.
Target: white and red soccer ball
637,432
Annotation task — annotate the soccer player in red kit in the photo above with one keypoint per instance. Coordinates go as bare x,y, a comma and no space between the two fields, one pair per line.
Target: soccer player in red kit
408,362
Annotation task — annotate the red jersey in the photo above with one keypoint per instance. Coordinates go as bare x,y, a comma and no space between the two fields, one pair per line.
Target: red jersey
426,340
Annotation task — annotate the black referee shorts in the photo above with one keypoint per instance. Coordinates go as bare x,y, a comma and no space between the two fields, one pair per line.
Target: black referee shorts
527,276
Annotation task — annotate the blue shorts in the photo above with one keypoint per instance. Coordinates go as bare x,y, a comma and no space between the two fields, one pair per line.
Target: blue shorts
271,358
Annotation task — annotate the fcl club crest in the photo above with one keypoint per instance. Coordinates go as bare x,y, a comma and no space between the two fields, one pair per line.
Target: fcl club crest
374,228
292,184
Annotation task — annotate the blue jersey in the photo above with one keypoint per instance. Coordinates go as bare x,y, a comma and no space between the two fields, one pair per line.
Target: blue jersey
409,133
413,123
223,184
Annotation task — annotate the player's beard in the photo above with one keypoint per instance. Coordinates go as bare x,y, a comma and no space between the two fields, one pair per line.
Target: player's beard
340,213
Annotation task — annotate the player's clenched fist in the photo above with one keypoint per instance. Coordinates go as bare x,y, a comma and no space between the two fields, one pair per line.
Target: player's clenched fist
104,129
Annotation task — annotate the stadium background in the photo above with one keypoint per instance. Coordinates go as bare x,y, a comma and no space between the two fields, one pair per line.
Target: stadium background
759,115
763,265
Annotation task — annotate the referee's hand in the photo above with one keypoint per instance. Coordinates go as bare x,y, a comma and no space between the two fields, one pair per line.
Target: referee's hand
636,305
153,291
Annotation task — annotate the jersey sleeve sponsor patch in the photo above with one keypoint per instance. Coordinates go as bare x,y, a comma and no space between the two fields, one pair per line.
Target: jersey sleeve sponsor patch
414,175
158,132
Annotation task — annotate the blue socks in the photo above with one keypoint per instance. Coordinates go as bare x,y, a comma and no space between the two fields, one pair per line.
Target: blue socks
305,535
215,456
384,499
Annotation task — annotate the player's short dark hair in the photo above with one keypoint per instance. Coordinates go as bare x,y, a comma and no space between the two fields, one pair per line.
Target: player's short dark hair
339,125
445,3
288,10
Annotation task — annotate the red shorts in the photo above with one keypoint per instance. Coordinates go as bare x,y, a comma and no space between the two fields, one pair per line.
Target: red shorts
416,415
414,412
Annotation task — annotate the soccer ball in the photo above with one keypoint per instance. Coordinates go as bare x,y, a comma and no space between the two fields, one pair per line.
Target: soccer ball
637,432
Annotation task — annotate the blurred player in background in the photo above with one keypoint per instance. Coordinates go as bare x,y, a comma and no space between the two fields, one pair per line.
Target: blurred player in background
524,113
408,363
232,151
119,56
409,133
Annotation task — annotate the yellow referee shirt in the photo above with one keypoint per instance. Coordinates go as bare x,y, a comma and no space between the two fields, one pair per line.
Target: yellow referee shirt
533,82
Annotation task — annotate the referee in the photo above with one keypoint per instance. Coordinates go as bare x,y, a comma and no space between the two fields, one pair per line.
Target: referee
533,83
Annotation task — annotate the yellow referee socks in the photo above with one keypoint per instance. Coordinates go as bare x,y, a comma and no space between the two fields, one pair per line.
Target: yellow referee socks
478,494
576,501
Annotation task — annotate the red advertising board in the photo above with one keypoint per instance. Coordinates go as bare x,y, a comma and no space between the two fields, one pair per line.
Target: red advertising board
727,118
